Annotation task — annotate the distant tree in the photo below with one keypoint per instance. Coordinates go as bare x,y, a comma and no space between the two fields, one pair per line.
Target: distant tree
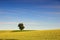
21,26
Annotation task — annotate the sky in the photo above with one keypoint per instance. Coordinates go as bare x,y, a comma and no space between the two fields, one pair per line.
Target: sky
34,14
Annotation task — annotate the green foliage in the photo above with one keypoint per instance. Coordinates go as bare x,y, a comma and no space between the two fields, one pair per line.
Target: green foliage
21,26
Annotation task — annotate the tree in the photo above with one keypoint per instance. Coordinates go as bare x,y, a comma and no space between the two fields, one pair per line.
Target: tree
21,26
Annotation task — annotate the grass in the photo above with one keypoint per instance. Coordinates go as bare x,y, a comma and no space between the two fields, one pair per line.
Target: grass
30,35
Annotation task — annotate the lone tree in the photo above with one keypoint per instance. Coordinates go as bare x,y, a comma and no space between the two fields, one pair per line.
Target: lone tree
21,26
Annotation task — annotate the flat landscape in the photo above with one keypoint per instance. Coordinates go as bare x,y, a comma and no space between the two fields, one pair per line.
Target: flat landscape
30,35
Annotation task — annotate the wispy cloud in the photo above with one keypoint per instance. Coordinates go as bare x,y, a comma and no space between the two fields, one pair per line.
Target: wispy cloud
8,22
30,25
26,11
49,6
58,13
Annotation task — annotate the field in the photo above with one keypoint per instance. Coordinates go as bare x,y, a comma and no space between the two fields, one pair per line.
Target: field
30,35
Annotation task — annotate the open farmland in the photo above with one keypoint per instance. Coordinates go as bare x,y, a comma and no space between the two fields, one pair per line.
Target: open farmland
30,35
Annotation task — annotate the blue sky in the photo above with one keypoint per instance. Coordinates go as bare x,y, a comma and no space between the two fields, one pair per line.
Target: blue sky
35,14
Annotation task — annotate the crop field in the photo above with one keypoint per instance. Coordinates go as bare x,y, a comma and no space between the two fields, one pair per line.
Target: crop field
30,35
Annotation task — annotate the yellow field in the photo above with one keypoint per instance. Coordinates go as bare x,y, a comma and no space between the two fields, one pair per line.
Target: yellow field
30,35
